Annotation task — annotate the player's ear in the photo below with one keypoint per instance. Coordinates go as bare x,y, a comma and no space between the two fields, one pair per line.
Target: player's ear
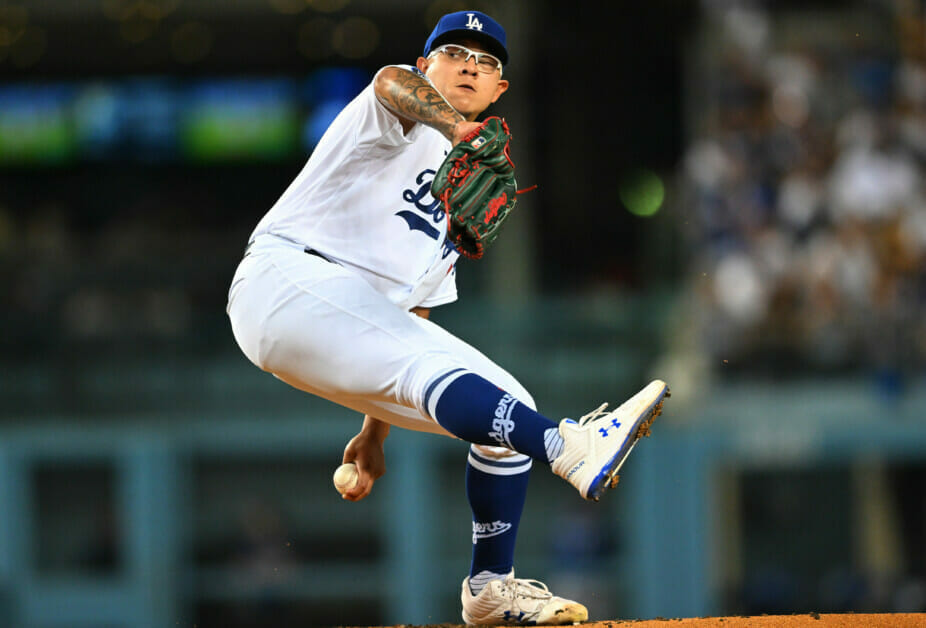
500,89
422,65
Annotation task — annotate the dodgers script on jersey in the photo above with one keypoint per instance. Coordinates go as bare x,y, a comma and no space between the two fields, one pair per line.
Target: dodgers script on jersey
363,199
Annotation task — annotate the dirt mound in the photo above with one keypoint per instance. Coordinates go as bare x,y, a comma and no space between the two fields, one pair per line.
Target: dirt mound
814,620
809,620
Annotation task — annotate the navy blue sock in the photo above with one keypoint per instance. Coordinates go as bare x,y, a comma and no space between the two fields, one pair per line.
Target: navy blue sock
474,409
496,490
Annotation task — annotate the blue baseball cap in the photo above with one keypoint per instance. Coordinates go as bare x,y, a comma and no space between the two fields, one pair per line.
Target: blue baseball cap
469,24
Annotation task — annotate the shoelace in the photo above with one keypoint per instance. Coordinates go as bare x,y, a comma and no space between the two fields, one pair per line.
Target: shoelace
594,414
528,588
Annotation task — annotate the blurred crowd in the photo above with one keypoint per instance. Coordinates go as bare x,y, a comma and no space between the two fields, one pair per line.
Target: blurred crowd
803,198
135,263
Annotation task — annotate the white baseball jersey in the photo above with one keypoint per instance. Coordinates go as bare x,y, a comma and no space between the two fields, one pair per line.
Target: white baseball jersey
342,330
363,199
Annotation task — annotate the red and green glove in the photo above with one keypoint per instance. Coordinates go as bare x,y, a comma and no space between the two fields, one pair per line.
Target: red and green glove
476,185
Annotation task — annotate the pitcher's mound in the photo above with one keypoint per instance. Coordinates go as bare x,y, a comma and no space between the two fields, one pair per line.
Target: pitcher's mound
811,620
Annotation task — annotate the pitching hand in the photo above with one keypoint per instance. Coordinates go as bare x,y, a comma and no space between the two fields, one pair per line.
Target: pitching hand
366,451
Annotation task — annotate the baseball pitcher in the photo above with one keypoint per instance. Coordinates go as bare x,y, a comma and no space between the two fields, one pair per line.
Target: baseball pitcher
333,294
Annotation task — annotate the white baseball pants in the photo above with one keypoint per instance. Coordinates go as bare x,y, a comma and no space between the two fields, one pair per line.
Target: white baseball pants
322,329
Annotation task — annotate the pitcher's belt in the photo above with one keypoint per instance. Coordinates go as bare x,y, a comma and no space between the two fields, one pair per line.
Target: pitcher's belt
307,249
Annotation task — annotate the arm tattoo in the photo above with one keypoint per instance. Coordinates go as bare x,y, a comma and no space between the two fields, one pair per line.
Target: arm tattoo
413,97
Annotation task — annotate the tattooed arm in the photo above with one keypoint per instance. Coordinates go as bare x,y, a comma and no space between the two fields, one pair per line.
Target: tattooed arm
413,99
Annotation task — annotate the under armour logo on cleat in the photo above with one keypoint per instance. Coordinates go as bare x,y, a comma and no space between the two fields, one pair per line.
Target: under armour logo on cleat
574,469
604,430
509,616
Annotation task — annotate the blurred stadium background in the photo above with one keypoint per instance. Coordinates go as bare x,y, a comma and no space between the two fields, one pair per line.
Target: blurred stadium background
731,198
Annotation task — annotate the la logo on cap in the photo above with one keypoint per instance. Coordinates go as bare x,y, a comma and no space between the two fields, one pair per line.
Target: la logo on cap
473,22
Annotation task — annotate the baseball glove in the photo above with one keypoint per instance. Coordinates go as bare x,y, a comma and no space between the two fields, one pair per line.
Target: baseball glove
476,185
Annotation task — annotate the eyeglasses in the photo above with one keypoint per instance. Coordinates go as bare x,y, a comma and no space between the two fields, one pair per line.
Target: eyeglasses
485,63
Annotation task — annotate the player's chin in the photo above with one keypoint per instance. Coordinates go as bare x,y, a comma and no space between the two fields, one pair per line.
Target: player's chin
467,104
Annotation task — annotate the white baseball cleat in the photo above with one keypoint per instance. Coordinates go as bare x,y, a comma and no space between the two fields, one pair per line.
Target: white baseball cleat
516,601
597,445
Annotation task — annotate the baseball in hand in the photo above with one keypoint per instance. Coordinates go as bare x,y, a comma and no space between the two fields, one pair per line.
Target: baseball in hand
345,477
